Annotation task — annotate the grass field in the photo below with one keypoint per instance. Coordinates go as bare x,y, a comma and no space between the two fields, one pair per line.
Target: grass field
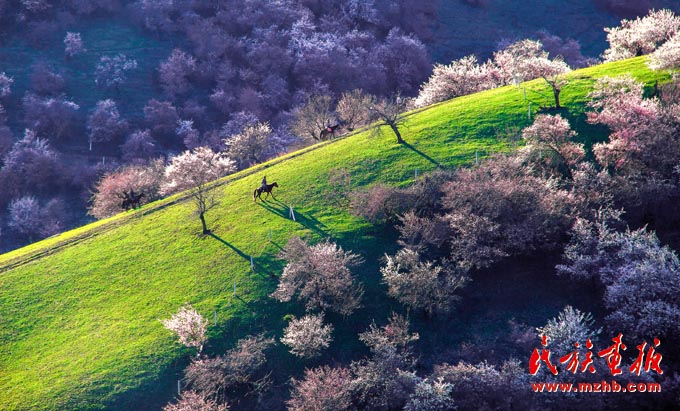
79,313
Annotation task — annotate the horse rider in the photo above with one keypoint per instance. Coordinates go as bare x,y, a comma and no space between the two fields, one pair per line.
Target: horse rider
264,183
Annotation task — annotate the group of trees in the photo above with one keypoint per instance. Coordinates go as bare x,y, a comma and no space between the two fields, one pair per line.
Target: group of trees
228,61
517,62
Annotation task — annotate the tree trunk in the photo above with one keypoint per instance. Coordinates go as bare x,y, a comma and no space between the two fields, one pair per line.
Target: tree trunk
556,92
205,227
397,133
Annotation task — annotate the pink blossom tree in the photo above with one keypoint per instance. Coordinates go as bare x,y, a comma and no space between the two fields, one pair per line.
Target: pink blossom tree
192,401
320,276
322,389
552,137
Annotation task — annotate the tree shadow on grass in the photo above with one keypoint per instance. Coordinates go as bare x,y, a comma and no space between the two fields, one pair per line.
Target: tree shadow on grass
257,268
283,210
420,153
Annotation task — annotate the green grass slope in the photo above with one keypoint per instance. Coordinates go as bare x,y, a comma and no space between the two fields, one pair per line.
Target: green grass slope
79,313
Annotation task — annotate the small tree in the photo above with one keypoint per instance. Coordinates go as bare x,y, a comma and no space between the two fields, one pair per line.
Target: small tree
250,146
389,112
322,389
193,171
25,216
112,70
73,44
314,117
139,147
320,275
393,338
553,135
189,326
351,109
5,85
569,327
105,123
421,285
106,201
307,336
431,395
526,60
237,371
175,72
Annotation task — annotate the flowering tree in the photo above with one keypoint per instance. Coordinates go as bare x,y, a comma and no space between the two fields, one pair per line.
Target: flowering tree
251,145
238,370
500,208
644,133
320,275
55,117
109,192
431,395
351,109
640,36
5,85
570,326
421,285
666,57
45,80
188,133
552,136
105,123
189,326
175,71
623,263
193,171
73,44
526,60
393,338
461,77
161,118
314,117
192,401
307,336
322,389
139,147
112,71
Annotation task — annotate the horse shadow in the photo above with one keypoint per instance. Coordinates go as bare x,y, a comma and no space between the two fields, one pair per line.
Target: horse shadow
281,209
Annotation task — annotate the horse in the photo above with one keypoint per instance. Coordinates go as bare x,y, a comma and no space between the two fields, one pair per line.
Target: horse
266,189
330,130
131,200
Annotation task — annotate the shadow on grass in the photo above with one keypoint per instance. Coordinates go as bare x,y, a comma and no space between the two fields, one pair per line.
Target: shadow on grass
257,268
420,153
283,210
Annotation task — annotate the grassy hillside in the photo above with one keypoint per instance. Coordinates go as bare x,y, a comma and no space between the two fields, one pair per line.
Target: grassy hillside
79,313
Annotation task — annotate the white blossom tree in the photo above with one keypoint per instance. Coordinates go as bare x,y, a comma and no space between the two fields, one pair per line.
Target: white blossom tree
640,36
5,84
666,57
193,401
189,326
307,336
73,44
421,285
251,145
112,71
553,135
319,275
193,171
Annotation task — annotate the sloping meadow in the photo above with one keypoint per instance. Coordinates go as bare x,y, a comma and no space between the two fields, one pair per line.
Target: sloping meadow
79,313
